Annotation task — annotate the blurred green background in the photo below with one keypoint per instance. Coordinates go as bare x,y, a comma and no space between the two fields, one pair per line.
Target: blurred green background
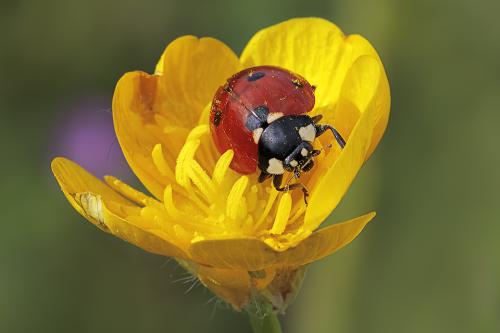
429,263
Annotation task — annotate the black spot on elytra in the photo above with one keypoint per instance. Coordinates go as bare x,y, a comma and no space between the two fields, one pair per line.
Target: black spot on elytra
255,76
217,117
297,83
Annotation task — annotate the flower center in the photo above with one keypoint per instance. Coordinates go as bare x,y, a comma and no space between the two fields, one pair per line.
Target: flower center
208,199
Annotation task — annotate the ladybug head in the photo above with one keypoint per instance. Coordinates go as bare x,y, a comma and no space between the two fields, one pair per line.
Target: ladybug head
301,159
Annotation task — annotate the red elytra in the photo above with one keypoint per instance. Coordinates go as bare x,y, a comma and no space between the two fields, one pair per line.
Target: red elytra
280,90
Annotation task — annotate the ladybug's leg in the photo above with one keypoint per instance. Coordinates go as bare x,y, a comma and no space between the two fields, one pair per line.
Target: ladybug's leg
301,186
277,182
263,176
315,152
277,185
320,129
317,118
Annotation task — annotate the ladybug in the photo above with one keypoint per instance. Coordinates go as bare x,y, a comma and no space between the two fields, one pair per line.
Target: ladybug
261,114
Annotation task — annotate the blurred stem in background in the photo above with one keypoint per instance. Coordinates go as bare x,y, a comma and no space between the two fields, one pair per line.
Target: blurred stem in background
267,323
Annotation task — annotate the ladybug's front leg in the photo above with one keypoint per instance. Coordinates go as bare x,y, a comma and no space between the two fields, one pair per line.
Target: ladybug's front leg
263,176
320,129
277,185
277,179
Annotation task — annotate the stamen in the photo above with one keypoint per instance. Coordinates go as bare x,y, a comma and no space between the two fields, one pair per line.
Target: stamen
160,162
222,166
153,218
270,201
298,213
282,215
192,222
252,198
201,180
198,132
168,201
236,207
193,196
182,234
123,210
204,153
129,192
183,160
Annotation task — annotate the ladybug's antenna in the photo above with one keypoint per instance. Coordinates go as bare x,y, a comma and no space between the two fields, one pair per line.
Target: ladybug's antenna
320,129
238,99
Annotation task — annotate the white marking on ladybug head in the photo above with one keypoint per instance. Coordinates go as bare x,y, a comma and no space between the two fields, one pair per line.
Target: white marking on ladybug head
273,116
256,134
308,133
293,163
275,167
304,152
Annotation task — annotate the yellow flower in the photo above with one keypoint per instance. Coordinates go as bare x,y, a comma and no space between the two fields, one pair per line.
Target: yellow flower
242,239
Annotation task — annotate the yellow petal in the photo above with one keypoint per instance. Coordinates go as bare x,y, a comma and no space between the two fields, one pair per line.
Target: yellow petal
160,109
242,253
332,180
151,240
253,254
74,179
312,47
359,89
229,284
93,199
193,70
134,104
325,241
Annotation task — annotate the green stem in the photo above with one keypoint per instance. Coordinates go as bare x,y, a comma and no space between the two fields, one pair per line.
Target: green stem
265,323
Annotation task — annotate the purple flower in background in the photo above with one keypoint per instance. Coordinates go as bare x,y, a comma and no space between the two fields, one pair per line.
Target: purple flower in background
84,133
